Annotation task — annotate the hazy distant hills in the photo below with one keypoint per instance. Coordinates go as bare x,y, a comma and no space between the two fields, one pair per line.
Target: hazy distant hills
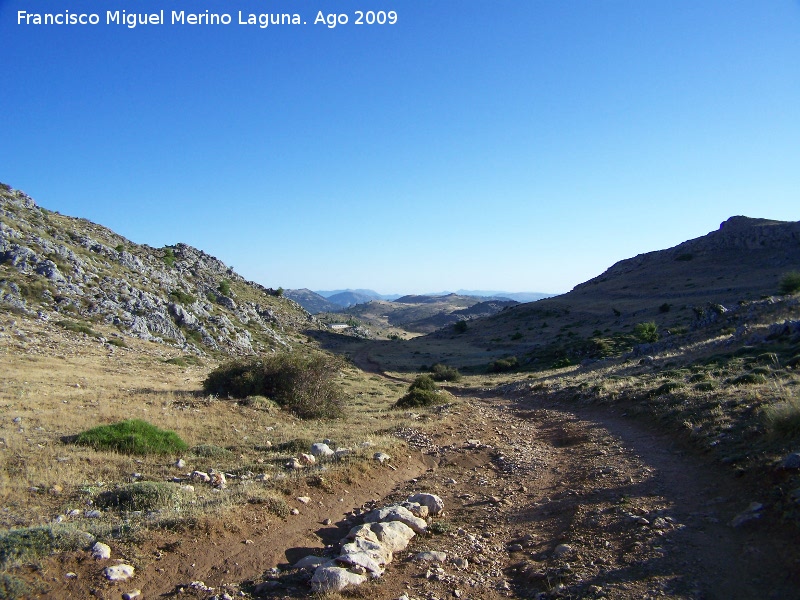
320,301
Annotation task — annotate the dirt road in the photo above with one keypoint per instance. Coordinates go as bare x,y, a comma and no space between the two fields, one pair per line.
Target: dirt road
541,502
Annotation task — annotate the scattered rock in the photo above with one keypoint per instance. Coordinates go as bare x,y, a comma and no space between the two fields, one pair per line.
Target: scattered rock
321,449
381,457
334,579
118,572
562,550
101,551
431,556
434,503
751,513
131,595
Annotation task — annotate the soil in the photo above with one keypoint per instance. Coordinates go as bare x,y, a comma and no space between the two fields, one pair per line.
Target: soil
552,502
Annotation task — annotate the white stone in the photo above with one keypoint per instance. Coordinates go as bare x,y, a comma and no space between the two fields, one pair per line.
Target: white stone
101,551
118,572
334,579
434,503
396,513
320,449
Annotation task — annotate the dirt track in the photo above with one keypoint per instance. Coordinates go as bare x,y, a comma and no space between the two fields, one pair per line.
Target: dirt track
642,517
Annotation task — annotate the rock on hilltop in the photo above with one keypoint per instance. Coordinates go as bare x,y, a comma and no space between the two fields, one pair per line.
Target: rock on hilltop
65,268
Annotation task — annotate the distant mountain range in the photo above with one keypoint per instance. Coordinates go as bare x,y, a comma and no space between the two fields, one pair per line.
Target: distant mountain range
336,300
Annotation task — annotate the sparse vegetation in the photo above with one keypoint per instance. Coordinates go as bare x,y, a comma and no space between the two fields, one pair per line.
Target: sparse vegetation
503,364
646,332
422,392
132,437
77,327
19,545
440,372
169,257
144,496
790,283
783,418
303,385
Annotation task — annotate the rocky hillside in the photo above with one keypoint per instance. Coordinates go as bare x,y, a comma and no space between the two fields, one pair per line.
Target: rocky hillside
77,273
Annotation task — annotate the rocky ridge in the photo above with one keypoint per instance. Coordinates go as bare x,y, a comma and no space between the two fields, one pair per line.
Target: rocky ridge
62,268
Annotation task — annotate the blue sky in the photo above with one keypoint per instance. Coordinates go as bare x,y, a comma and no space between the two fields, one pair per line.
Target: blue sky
514,145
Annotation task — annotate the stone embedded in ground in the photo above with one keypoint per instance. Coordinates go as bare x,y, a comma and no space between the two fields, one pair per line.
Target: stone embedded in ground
434,503
311,562
101,551
218,479
320,449
431,556
304,499
381,457
307,459
131,595
334,579
397,513
751,513
294,464
562,550
361,559
342,452
180,463
200,476
417,509
374,549
395,535
118,572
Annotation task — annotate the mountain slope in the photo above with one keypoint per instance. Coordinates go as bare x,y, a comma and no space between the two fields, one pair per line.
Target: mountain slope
69,269
311,301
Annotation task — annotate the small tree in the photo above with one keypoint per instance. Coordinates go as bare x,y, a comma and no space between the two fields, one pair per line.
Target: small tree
460,326
224,287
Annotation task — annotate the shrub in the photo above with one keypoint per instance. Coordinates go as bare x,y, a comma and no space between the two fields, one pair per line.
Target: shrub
440,372
182,297
784,418
144,495
664,308
749,379
422,392
665,388
686,256
23,544
211,451
562,362
790,283
224,287
460,326
11,587
169,257
516,336
503,364
279,292
119,248
646,332
76,327
705,386
132,437
302,385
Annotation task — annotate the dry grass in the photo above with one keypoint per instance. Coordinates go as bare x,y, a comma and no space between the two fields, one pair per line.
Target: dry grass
57,384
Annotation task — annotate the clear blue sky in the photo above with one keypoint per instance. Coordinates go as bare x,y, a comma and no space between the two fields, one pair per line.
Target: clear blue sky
518,145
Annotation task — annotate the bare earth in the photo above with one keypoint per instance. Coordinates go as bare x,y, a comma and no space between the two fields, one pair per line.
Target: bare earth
642,518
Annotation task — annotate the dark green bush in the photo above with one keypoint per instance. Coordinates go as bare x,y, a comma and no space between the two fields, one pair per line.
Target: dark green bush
440,372
303,385
24,544
790,283
132,437
503,364
224,287
76,327
182,297
686,256
749,379
11,587
665,388
516,336
169,257
460,327
664,308
211,451
422,392
562,362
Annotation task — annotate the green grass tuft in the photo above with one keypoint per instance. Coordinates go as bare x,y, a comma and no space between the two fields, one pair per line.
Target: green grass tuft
19,545
132,437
